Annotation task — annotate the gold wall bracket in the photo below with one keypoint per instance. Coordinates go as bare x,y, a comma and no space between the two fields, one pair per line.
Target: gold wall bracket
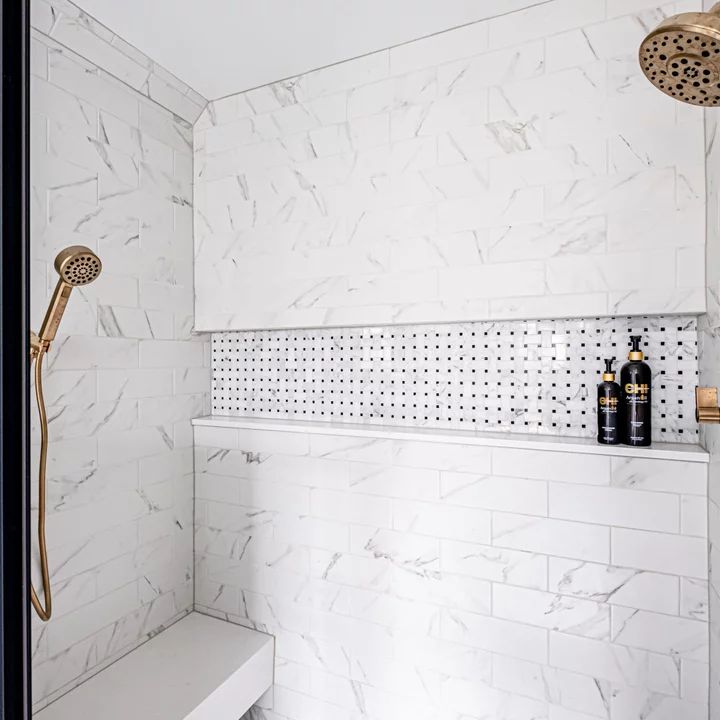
706,405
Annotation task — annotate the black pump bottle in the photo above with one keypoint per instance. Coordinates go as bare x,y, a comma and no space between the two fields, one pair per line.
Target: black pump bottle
608,407
636,381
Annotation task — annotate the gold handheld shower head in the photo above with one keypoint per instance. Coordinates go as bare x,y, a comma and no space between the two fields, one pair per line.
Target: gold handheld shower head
681,57
76,265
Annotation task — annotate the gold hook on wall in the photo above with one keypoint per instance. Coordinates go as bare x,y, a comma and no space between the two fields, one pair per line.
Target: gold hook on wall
706,405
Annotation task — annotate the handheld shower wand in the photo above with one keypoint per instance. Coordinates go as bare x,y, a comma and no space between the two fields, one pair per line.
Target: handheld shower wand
76,265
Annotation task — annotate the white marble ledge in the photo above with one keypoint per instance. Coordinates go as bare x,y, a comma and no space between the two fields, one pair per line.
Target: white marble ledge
689,452
200,668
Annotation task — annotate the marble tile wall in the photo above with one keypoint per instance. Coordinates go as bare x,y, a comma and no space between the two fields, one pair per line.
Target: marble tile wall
112,169
73,28
515,376
521,167
408,580
709,361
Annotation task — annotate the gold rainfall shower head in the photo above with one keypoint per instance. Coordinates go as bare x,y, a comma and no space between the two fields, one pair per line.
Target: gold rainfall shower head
681,57
76,265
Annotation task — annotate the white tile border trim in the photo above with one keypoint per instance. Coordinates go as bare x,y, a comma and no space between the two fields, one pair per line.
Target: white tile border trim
659,451
73,28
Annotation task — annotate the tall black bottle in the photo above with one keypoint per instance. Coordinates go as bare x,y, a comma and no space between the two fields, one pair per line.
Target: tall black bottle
636,384
608,407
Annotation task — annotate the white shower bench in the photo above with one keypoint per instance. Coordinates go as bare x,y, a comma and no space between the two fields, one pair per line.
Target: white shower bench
200,668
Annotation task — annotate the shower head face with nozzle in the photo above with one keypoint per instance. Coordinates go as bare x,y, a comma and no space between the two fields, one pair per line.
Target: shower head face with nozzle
681,57
78,265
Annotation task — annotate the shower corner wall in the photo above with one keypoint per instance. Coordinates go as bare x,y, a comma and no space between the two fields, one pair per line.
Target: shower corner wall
709,358
111,154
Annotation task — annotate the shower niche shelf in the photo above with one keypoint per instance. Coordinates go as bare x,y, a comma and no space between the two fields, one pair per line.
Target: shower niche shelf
200,668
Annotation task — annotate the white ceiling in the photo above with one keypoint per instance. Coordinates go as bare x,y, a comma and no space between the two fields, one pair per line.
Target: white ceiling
221,47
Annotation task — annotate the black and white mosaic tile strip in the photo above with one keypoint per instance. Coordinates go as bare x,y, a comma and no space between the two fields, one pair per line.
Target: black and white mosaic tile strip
536,376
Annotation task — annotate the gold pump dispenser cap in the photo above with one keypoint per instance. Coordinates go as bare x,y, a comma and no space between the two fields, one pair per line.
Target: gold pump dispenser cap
609,374
636,354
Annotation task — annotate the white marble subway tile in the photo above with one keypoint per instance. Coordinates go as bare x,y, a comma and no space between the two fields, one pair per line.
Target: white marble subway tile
680,637
493,68
408,483
692,301
568,49
615,585
169,354
660,552
554,612
281,497
558,467
694,677
627,703
540,21
543,240
630,271
663,227
38,59
351,508
154,411
63,107
86,81
688,273
615,663
614,192
590,304
513,495
267,441
552,537
191,380
694,599
71,420
161,125
83,622
133,444
313,532
642,474
346,75
440,48
472,559
345,569
411,553
507,638
694,515
615,506
80,386
82,352
42,16
73,33
487,281
465,697
442,521
565,689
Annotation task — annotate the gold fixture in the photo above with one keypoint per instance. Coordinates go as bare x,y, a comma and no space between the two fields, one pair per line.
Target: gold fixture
681,57
706,405
76,265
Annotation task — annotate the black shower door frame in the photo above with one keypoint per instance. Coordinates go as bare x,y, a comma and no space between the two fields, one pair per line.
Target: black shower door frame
14,383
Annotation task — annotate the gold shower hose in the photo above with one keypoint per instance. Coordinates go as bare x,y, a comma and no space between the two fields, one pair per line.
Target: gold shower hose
44,612
76,265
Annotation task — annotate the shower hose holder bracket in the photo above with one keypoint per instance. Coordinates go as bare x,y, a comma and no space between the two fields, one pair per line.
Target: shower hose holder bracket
706,405
36,344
